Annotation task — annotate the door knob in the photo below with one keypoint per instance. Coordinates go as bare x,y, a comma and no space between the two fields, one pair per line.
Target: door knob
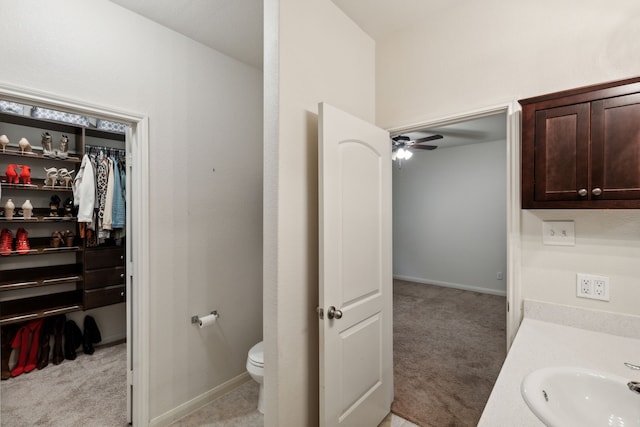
596,191
334,313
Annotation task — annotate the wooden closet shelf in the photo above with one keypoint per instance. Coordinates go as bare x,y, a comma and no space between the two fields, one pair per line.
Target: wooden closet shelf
24,309
40,276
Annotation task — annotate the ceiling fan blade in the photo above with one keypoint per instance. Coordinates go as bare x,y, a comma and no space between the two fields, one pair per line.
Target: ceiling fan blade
423,147
399,138
427,139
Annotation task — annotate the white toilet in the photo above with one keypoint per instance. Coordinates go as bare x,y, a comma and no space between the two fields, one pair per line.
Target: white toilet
255,367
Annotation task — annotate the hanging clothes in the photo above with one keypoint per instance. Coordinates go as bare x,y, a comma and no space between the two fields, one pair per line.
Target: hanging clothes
107,217
84,191
119,210
102,174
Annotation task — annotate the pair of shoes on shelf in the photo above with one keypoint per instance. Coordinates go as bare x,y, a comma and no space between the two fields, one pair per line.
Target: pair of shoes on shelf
91,335
6,242
27,340
15,177
47,146
22,242
59,238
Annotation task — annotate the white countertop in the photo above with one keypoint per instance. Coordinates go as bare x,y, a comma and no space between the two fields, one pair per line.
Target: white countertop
541,344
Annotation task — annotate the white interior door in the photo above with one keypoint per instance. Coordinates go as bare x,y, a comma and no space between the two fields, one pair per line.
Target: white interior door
355,312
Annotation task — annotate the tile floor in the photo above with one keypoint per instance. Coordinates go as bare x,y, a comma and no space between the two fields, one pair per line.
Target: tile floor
238,409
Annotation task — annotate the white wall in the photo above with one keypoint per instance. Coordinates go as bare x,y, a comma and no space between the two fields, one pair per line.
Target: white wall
449,217
204,112
317,55
494,52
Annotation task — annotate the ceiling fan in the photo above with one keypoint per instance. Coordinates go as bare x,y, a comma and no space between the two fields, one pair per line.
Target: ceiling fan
402,145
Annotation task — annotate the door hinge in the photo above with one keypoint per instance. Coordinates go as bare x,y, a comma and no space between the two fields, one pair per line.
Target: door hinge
320,311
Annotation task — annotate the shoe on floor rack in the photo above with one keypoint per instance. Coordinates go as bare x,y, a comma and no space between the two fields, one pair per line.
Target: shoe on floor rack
91,335
26,340
45,342
58,331
72,339
8,334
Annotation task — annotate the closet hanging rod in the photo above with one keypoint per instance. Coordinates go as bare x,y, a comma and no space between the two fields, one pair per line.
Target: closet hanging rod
119,151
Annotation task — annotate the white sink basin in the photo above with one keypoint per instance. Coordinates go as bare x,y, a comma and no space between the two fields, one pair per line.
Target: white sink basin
567,396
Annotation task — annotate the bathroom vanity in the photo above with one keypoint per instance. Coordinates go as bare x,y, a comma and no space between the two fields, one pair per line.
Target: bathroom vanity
555,335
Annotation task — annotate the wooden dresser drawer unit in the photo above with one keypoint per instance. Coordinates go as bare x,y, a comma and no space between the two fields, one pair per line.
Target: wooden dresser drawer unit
104,276
104,296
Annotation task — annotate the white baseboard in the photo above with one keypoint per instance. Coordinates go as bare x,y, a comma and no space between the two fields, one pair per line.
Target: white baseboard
498,292
199,401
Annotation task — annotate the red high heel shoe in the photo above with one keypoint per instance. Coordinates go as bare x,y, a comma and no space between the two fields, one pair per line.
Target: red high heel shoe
22,244
25,174
11,174
6,242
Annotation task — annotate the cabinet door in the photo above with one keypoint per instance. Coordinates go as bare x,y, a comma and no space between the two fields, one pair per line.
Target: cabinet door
562,153
615,148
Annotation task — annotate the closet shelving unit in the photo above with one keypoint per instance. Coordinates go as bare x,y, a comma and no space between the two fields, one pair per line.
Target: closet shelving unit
49,280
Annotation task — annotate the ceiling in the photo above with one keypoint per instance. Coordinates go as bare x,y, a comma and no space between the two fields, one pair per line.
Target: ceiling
382,18
484,129
234,27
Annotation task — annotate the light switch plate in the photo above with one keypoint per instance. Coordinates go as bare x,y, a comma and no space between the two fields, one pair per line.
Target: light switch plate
559,233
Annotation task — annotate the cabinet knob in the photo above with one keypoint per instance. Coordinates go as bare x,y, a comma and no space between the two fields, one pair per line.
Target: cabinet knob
582,192
121,257
122,293
122,275
596,191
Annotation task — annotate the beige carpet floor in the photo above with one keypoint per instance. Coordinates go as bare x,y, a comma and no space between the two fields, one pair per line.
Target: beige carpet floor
449,345
89,391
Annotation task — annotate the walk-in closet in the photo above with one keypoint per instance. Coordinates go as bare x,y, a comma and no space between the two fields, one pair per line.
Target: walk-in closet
63,267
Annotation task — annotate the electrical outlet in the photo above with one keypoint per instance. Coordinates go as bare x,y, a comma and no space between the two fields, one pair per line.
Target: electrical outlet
594,287
559,233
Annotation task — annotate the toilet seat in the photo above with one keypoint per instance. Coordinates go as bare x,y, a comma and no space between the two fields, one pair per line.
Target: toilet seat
256,355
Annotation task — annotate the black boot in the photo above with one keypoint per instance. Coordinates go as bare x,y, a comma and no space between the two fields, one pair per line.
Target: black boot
72,339
58,330
8,333
91,335
45,342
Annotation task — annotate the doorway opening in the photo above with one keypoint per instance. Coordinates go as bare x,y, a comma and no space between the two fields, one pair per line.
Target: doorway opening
128,147
452,218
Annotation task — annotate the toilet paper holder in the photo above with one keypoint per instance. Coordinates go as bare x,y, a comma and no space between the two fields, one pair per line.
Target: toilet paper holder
196,318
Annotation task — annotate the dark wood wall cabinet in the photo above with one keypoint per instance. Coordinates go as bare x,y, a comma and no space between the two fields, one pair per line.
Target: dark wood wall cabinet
51,277
581,148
